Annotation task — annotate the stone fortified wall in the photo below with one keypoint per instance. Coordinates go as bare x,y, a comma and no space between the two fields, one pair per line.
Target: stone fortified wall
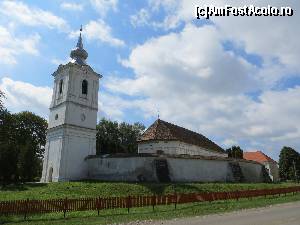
154,168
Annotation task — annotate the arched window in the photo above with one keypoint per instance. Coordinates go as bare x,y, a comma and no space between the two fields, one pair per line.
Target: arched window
84,87
60,86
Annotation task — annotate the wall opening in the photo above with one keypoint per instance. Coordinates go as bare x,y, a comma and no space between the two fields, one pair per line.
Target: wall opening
84,87
61,86
162,170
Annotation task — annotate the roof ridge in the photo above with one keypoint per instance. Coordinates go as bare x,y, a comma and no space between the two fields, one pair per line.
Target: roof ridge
188,130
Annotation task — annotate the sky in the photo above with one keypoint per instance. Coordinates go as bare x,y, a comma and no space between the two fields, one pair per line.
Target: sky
235,80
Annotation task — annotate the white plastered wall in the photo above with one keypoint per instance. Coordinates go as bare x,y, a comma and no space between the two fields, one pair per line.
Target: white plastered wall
273,170
175,148
69,164
71,135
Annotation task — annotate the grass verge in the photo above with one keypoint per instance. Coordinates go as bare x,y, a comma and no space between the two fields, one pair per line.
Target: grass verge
109,189
146,213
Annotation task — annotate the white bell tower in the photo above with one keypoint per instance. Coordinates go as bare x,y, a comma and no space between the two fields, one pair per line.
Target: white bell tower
71,134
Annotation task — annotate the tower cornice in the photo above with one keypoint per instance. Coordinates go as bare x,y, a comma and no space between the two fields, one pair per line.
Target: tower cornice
69,65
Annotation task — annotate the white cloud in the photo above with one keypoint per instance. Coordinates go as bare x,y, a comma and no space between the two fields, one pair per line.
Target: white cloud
113,106
71,6
99,31
200,65
195,83
229,142
273,32
21,96
104,6
58,62
11,46
141,18
30,16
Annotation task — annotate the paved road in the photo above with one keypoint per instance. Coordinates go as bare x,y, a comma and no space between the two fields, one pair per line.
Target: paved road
284,214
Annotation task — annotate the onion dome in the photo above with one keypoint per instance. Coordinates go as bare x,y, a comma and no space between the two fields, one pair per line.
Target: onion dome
79,55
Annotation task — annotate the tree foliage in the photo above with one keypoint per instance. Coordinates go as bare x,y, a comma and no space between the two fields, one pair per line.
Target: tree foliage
8,147
22,141
114,137
1,100
289,164
235,152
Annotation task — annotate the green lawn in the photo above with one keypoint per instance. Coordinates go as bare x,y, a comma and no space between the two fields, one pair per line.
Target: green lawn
91,189
103,189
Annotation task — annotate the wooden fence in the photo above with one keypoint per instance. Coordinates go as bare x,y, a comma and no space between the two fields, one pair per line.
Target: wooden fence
26,207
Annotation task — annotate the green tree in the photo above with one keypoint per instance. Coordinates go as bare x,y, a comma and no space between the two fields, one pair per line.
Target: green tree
113,137
129,135
29,161
31,127
289,164
107,137
31,138
22,141
235,152
2,96
8,148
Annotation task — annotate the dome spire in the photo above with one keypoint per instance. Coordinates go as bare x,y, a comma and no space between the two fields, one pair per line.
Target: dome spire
79,55
79,43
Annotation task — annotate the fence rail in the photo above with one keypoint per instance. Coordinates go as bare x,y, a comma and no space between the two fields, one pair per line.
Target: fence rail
26,207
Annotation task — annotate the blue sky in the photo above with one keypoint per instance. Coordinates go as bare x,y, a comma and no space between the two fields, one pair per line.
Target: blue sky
234,79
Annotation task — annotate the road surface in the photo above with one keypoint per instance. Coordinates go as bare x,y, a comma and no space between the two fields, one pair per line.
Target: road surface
283,214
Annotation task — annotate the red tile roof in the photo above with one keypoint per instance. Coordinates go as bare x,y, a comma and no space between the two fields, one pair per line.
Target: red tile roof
162,130
257,156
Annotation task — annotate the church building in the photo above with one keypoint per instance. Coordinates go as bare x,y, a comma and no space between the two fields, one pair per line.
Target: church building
166,138
166,152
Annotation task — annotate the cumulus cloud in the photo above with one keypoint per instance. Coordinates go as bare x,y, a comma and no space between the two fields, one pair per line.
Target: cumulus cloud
21,96
113,106
30,16
11,46
182,60
99,31
71,6
196,83
104,6
273,32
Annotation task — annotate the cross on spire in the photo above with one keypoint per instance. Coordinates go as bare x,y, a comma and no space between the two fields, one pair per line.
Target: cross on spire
79,43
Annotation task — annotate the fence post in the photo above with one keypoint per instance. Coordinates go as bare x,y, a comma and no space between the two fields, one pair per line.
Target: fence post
175,196
26,208
98,205
153,202
128,203
65,206
248,194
